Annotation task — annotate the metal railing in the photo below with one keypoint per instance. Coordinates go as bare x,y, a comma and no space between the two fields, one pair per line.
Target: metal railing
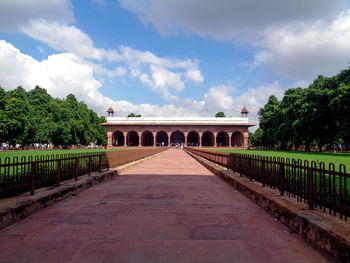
309,182
18,176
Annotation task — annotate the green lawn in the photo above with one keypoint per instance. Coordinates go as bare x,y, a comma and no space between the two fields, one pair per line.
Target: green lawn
19,154
326,157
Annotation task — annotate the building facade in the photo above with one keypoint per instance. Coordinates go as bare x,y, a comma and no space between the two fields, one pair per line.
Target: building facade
170,131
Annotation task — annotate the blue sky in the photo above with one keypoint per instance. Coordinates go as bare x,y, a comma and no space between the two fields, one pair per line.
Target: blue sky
171,58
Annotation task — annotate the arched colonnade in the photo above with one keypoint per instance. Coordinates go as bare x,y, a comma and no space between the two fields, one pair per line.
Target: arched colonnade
207,138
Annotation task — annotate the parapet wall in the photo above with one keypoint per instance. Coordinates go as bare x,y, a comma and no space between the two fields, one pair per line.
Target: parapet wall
327,233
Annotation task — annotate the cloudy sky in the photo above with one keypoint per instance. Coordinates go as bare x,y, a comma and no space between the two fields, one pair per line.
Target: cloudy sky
172,58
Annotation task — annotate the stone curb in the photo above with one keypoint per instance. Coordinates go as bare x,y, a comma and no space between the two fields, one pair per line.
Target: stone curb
326,233
17,208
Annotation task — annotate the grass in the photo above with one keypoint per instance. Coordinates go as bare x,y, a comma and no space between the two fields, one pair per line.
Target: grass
326,157
19,154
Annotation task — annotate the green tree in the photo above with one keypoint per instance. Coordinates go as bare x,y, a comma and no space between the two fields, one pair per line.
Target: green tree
14,121
133,115
288,130
270,120
34,116
220,114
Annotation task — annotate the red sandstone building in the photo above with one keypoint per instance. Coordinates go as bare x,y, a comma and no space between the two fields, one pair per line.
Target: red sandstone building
169,131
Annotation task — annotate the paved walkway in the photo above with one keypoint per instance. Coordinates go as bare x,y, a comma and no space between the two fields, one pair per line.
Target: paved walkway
168,209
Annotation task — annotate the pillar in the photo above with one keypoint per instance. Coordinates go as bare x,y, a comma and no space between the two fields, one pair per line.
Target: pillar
186,134
109,139
245,140
154,139
200,138
125,139
215,141
140,138
169,134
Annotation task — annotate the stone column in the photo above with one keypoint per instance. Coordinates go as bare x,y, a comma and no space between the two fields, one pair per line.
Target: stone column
109,139
140,138
125,139
245,139
215,141
154,139
169,134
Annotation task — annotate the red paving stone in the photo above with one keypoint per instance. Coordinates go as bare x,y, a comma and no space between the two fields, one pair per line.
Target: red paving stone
168,209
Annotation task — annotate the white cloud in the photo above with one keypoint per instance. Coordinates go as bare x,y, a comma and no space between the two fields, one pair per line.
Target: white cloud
218,98
297,39
227,19
160,74
305,51
66,73
18,13
194,75
66,38
136,57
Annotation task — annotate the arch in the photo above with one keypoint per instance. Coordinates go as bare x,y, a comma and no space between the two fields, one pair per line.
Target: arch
177,137
162,138
237,139
222,139
193,138
208,139
147,138
132,138
118,138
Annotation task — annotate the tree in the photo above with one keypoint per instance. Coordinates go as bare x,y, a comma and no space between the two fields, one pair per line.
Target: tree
34,116
270,120
14,121
133,115
288,130
220,114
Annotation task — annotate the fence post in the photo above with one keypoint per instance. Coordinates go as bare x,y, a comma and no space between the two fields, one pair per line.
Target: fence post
76,168
263,174
99,163
89,164
282,179
58,172
310,189
250,168
32,187
231,162
240,165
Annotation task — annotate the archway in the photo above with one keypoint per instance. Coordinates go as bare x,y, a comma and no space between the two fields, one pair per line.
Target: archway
222,139
193,138
118,139
208,139
237,139
132,138
147,138
162,138
177,137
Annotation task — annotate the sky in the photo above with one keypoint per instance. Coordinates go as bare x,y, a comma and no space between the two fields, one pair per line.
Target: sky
172,57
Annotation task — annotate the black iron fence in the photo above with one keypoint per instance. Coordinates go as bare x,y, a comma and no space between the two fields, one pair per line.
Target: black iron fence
311,182
20,175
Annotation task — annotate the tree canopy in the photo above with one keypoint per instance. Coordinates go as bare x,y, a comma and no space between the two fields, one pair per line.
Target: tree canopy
318,115
133,115
220,114
36,117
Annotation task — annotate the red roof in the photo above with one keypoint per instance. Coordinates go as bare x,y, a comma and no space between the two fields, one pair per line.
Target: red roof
110,110
244,110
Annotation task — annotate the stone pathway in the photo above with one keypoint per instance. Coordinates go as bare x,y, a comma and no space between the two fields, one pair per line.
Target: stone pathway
167,209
